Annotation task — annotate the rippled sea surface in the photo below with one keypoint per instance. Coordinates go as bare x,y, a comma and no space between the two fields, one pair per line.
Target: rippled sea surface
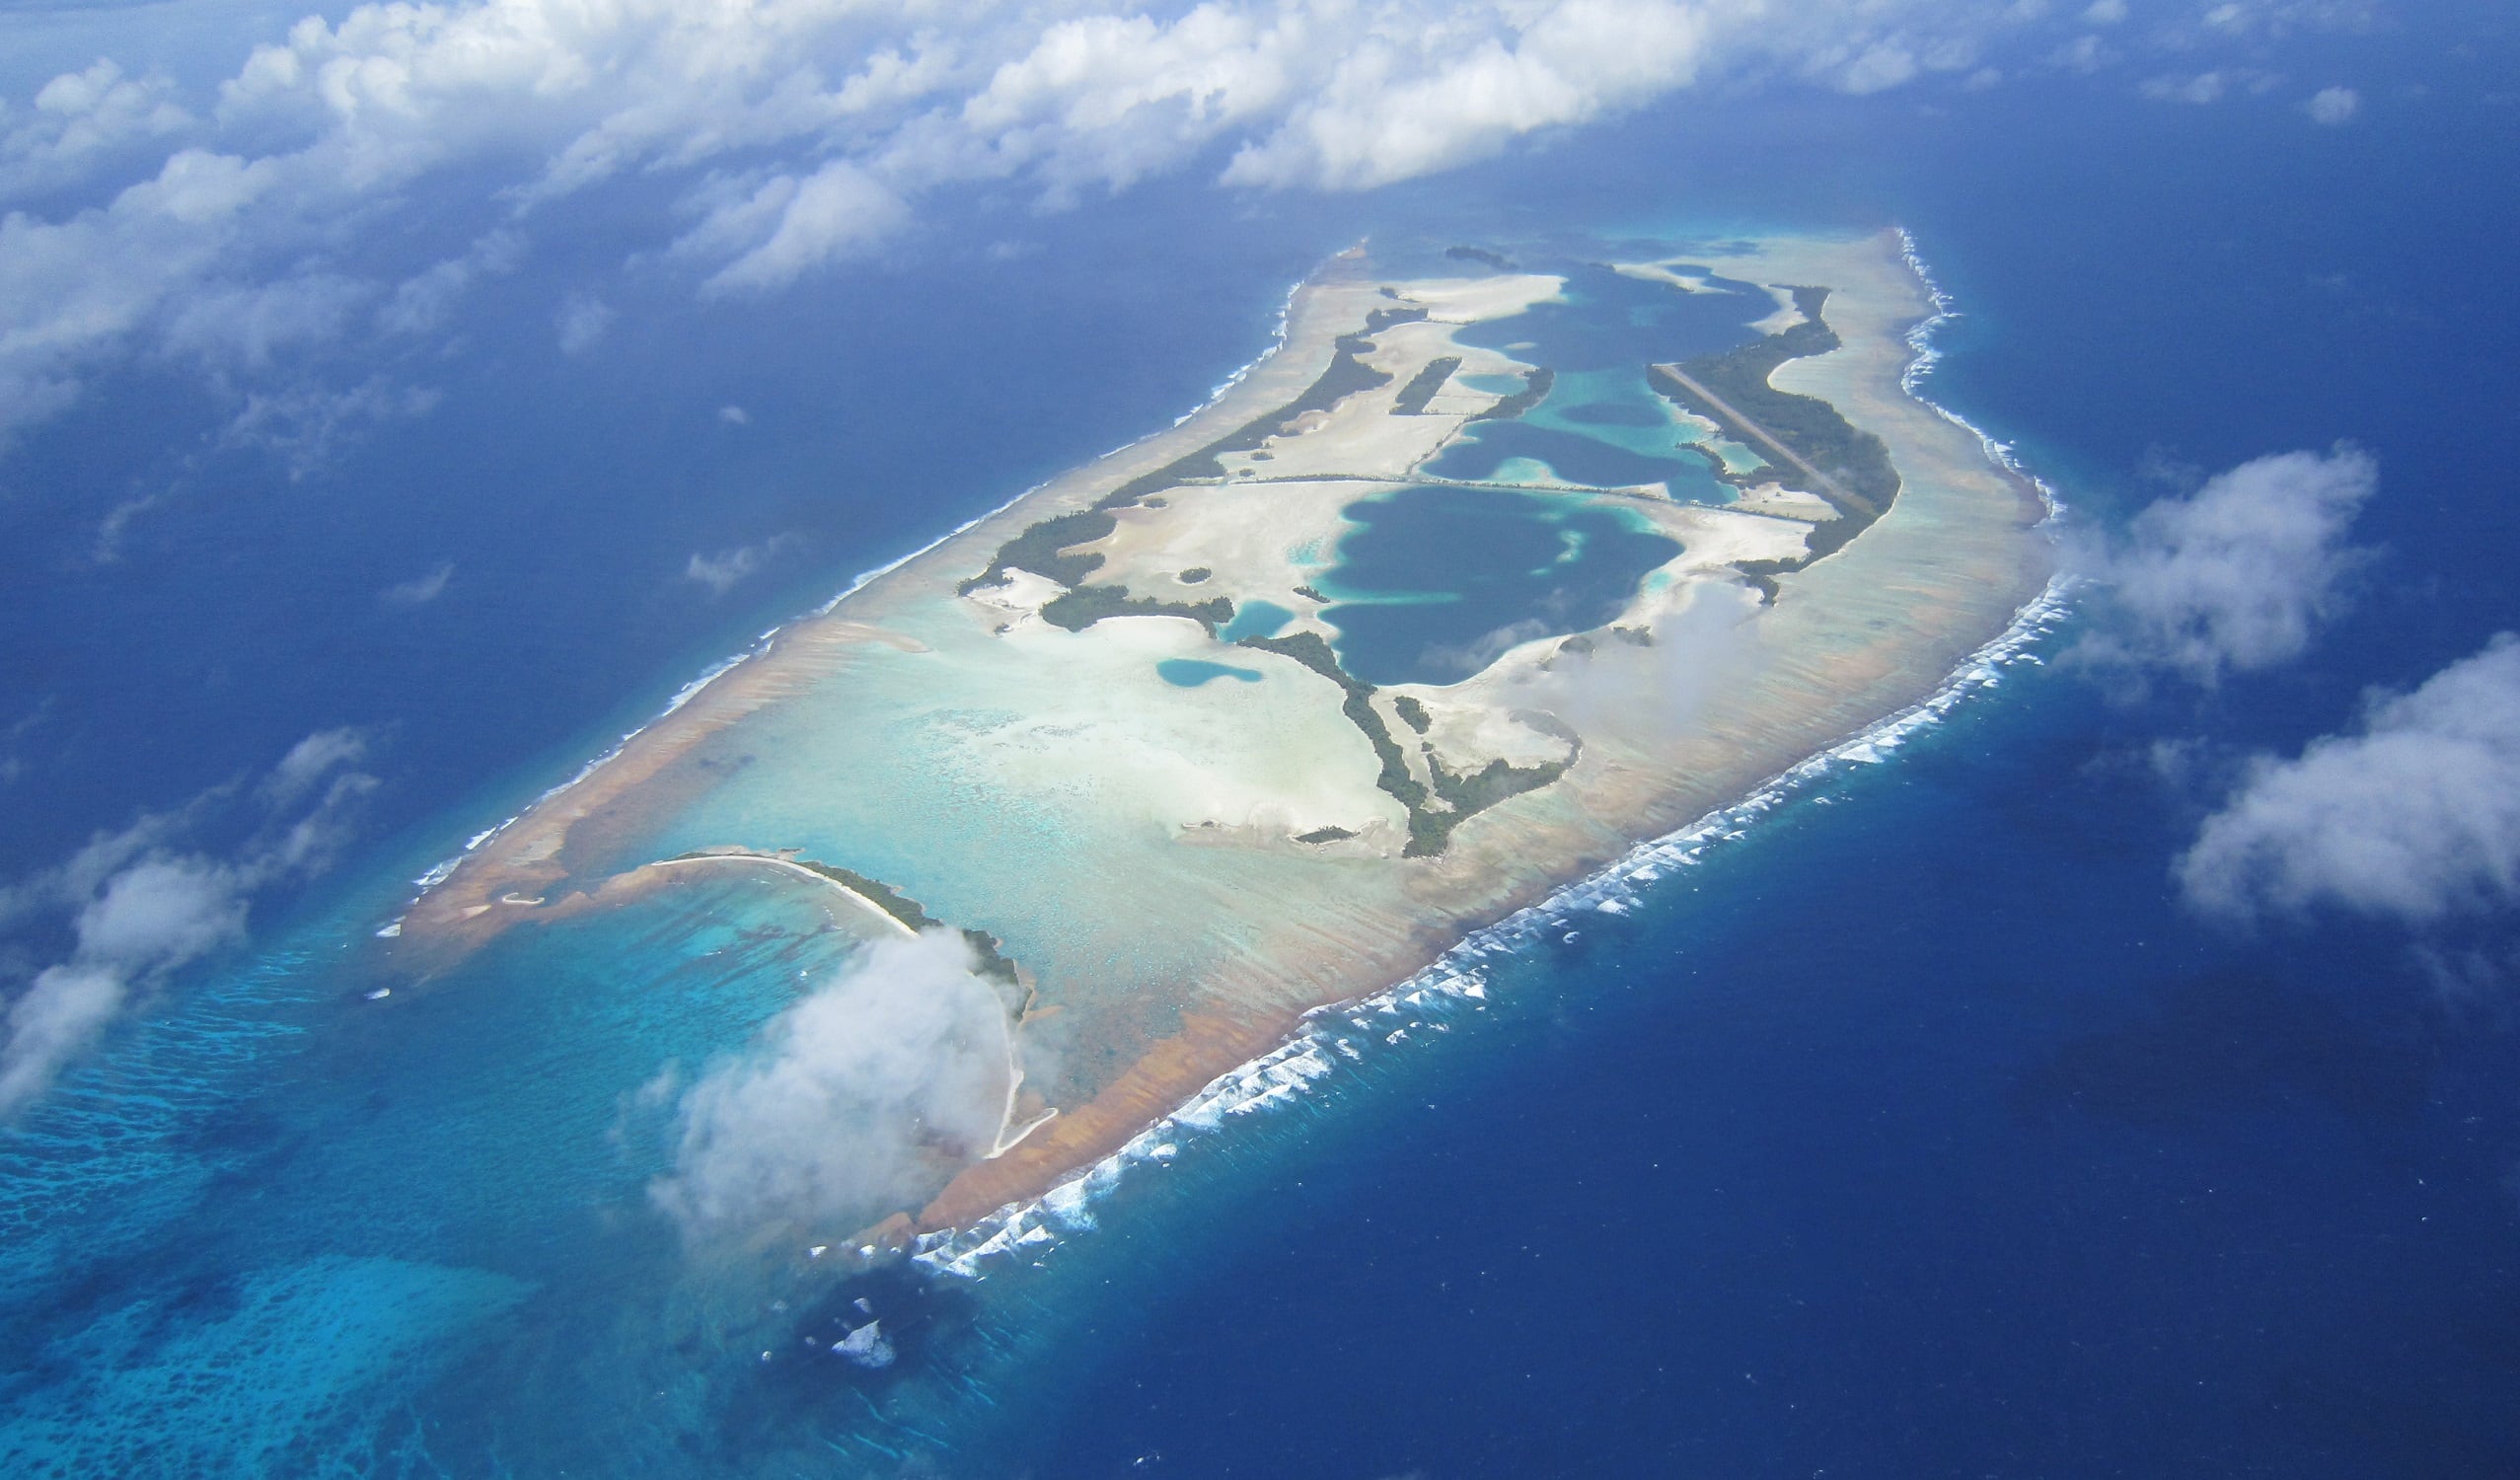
1915,1131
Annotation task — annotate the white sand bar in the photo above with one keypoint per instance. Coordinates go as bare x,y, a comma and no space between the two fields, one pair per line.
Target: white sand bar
1180,871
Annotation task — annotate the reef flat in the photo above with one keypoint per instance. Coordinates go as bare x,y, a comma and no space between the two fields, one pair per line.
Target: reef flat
1483,575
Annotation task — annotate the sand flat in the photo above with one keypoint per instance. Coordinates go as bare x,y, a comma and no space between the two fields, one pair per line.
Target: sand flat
1135,844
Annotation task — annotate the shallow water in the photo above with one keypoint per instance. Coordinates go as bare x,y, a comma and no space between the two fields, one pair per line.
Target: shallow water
1920,1131
1434,580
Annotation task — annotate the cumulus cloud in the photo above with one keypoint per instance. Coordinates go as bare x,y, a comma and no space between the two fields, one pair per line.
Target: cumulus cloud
799,134
2334,106
2236,576
141,905
723,571
804,133
860,1098
790,226
83,119
2413,816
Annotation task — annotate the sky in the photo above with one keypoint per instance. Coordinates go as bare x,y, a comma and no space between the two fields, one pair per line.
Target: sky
294,221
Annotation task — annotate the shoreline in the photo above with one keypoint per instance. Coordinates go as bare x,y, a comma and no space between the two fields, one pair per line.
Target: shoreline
1813,673
1311,1051
439,872
1952,561
433,911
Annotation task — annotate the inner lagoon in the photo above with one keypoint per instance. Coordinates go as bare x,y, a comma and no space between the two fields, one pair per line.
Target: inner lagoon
1434,582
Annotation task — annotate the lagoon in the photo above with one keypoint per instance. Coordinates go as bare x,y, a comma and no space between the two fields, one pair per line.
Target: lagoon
1434,582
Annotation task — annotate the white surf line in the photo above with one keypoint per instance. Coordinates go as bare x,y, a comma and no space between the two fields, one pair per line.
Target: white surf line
1285,1072
1912,378
442,871
801,870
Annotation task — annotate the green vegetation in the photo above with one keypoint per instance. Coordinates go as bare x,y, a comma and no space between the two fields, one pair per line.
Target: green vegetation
1313,652
1309,594
1422,386
993,958
1084,606
1194,575
1457,798
1412,712
1535,388
1474,793
1038,549
1324,834
1854,462
1480,254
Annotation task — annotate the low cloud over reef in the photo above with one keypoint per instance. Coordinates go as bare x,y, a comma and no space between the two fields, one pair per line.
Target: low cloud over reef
850,1103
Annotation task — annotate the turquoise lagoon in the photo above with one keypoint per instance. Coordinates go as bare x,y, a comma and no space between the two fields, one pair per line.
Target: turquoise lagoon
1434,582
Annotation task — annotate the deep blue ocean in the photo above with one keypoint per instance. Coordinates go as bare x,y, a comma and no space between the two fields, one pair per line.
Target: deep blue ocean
1919,1132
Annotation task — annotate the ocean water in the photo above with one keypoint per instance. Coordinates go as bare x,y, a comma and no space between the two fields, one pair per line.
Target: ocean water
1914,1131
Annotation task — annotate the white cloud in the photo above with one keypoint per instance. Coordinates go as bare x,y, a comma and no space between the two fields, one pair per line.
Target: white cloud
2084,53
734,416
80,119
304,424
2334,106
2200,88
858,1099
2413,816
140,907
803,133
425,300
790,226
1410,95
2237,575
723,571
582,322
244,325
2105,11
420,590
312,758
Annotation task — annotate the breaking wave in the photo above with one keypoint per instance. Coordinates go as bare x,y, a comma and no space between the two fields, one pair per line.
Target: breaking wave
444,869
1458,980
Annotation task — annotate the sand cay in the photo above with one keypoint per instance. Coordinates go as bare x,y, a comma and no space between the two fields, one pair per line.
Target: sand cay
1018,732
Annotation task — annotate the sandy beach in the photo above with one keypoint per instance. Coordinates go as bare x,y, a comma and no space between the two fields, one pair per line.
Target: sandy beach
1136,845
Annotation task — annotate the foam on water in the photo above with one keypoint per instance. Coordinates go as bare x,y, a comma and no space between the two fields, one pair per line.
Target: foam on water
1912,380
445,870
1458,980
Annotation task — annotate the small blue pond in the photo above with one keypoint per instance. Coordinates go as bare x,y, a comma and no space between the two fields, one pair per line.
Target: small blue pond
1190,673
1434,582
1255,618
